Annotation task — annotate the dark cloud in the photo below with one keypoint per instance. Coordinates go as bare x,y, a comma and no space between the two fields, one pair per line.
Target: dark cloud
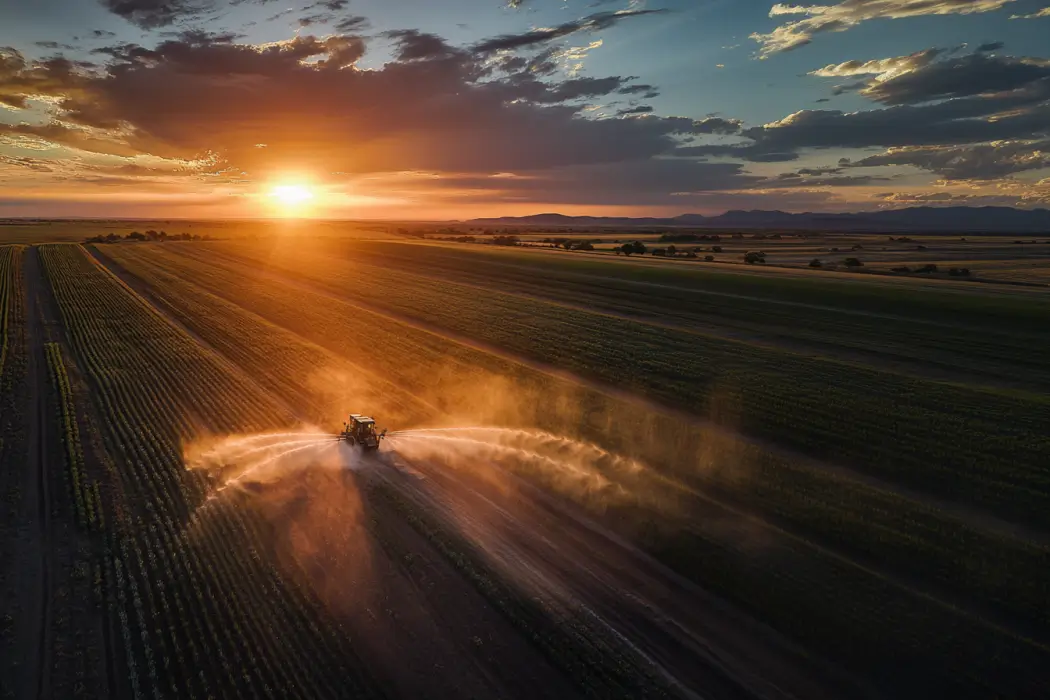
330,5
977,98
206,97
839,17
414,45
796,179
350,24
647,92
849,87
992,46
960,76
54,45
317,18
971,162
21,79
820,171
641,109
537,37
151,14
717,125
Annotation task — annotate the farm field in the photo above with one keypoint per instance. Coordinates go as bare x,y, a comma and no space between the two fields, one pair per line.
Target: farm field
603,477
1016,259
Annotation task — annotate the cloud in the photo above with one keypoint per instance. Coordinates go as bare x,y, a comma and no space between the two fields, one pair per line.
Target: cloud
989,161
960,76
879,67
958,121
151,14
330,5
920,77
991,46
640,109
414,45
353,23
209,100
716,125
1045,12
591,23
850,13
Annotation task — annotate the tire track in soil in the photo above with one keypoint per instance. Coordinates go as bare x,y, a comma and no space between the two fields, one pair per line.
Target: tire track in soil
701,645
37,673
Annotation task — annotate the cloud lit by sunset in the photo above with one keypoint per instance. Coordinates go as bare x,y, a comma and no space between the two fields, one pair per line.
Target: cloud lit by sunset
481,108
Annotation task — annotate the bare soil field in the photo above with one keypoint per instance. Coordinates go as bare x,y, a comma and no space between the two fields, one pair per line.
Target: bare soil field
603,477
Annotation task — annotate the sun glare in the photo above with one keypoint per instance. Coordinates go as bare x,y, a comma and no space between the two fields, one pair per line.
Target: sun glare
291,195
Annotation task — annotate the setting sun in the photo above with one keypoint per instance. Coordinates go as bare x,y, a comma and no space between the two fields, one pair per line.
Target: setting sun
291,195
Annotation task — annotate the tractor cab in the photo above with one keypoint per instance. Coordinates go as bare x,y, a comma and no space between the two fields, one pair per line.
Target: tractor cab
361,430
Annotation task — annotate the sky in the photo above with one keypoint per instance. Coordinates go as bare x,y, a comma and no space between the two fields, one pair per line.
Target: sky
454,109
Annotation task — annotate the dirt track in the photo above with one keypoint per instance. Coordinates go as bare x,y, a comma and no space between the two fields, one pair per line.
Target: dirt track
465,581
690,643
36,589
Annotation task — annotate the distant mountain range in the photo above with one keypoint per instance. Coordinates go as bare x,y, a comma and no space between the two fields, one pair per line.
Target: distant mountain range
941,219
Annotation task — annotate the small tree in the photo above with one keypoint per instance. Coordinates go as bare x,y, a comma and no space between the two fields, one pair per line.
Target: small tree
815,262
853,263
627,249
709,258
716,249
639,247
671,250
754,257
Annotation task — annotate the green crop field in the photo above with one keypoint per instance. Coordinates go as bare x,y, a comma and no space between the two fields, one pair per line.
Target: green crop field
837,482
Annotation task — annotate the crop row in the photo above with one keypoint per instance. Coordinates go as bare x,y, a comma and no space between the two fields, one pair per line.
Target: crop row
88,510
803,599
955,442
7,254
962,349
197,606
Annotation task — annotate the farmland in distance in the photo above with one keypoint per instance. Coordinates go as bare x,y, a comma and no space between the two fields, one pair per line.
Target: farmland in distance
604,477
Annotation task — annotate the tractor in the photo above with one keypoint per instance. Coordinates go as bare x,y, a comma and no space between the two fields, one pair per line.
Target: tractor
361,430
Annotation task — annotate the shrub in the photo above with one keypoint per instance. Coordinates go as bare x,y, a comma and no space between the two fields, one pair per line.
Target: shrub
709,258
815,262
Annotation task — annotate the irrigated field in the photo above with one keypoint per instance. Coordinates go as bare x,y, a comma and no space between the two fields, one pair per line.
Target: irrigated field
606,478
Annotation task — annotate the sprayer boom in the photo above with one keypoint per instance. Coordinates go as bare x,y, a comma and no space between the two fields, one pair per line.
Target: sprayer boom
361,430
